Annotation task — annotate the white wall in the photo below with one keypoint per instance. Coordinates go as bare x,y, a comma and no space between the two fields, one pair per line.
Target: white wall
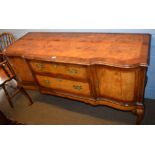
150,88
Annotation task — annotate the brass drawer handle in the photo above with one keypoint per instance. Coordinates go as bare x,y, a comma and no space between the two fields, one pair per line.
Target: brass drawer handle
47,82
72,71
77,87
40,66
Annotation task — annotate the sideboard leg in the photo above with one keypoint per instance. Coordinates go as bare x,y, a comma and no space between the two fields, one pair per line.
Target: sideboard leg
139,113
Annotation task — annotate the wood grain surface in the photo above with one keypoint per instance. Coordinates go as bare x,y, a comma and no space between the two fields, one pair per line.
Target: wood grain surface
123,50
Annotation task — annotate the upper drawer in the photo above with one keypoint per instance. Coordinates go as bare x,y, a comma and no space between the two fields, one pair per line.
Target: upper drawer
75,71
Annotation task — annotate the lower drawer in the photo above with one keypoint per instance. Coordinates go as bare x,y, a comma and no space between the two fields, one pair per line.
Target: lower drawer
63,85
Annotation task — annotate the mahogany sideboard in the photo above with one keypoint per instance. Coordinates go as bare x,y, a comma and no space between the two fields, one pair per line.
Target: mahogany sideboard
95,68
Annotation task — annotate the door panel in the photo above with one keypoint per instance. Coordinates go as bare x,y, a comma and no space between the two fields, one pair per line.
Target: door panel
116,84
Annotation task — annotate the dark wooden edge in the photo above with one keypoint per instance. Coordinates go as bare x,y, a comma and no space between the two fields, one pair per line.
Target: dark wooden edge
69,62
81,61
92,82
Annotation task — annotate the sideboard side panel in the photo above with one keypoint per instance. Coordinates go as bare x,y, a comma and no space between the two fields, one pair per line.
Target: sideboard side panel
23,72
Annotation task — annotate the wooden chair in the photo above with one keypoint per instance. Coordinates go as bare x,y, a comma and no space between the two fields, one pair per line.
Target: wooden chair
6,39
8,75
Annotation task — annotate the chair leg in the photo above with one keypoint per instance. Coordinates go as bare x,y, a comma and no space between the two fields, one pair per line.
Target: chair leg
6,71
8,97
27,95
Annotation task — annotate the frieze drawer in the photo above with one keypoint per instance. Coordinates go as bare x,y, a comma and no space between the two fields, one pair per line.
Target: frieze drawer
75,71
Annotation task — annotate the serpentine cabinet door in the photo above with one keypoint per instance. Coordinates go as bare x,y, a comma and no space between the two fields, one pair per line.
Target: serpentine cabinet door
117,84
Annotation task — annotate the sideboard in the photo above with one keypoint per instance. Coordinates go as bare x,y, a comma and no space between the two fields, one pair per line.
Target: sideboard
95,68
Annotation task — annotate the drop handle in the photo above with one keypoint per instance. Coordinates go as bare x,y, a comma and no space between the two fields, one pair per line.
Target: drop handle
47,82
40,65
77,87
72,71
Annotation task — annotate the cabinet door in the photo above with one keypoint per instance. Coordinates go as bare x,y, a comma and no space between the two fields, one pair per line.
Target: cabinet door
116,84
